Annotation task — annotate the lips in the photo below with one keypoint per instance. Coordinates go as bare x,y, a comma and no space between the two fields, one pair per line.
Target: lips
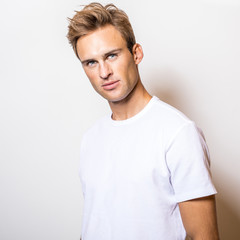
110,85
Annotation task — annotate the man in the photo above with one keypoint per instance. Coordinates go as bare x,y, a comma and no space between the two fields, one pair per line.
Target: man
144,169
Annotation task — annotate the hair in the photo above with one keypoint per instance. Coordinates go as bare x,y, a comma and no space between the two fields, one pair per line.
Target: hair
94,16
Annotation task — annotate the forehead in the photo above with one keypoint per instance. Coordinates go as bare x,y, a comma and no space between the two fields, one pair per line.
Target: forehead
99,42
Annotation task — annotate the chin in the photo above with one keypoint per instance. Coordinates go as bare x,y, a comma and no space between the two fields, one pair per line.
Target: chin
112,97
117,98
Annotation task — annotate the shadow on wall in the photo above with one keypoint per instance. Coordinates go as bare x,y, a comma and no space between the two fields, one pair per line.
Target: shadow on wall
228,218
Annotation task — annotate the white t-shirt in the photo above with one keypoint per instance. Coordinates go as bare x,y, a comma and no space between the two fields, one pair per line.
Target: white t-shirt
134,172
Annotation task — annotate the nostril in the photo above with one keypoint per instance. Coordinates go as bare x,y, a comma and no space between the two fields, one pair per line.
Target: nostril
105,76
104,71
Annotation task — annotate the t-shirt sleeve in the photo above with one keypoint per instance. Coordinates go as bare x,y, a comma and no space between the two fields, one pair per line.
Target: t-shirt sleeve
188,161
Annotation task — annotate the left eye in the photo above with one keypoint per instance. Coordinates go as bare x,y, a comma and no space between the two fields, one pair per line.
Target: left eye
111,56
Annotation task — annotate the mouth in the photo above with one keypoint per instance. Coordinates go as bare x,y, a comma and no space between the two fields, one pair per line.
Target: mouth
110,85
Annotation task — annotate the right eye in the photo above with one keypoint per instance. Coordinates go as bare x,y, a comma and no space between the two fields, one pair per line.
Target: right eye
91,63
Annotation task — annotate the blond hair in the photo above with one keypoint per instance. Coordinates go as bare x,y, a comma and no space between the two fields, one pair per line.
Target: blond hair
95,16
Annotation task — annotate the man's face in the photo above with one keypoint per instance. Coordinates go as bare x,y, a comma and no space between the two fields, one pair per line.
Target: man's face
107,62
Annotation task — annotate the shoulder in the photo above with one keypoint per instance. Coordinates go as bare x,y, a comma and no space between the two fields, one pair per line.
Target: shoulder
168,117
168,112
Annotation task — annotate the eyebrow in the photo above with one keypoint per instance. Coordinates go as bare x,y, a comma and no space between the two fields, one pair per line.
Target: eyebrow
104,55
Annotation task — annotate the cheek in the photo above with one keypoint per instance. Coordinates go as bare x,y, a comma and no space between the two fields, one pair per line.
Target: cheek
125,68
130,72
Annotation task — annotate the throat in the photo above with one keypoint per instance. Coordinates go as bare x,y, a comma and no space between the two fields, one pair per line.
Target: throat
129,107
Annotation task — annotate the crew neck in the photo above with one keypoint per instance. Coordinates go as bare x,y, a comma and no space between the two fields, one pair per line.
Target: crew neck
136,116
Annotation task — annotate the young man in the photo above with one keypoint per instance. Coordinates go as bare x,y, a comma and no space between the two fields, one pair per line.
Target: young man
144,169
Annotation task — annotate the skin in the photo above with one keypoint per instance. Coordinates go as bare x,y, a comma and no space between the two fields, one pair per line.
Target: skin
200,218
113,73
106,59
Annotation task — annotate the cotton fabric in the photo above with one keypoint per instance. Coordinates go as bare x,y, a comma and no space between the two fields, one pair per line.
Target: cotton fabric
135,172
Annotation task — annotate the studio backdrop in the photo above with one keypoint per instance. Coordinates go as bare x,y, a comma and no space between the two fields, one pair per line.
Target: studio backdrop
191,61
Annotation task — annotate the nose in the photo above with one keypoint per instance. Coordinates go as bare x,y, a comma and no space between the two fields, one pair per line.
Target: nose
105,70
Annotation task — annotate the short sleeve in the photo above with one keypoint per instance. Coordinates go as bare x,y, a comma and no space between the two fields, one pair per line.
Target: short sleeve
188,161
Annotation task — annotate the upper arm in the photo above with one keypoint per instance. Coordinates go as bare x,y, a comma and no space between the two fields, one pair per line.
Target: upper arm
199,218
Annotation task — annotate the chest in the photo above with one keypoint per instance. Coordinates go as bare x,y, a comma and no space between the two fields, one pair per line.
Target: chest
127,157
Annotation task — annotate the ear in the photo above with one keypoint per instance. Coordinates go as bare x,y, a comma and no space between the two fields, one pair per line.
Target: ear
137,53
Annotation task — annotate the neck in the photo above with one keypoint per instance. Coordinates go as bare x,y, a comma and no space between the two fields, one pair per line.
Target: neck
132,104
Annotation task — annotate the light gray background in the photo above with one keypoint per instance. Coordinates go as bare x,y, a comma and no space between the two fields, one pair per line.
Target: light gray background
192,61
